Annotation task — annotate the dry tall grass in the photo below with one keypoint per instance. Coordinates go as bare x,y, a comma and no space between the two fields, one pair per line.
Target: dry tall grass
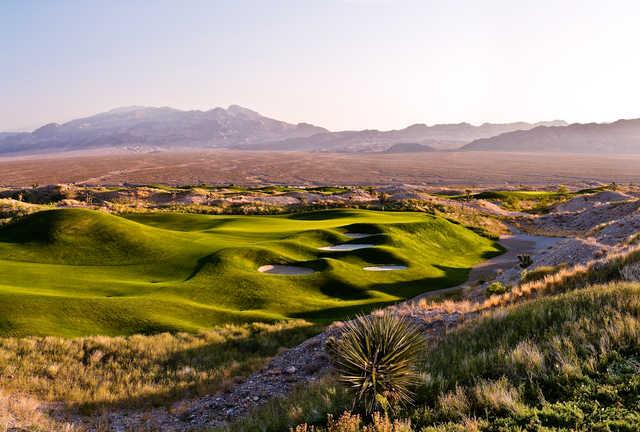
94,372
21,413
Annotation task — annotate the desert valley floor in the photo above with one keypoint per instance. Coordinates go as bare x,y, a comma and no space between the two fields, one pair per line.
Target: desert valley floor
439,169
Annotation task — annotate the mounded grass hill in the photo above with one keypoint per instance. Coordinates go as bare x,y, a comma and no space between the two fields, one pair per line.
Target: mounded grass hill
74,272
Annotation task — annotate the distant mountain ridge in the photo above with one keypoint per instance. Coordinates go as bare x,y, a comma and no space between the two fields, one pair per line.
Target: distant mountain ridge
141,128
622,136
439,136
156,128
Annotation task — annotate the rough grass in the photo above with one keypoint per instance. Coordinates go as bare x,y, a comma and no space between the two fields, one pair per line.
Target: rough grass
540,272
21,413
567,362
76,272
542,364
139,371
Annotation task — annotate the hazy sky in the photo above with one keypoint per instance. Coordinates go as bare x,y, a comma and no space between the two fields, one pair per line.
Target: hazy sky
336,63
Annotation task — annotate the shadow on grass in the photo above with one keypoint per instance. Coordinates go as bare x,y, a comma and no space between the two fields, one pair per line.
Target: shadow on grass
200,264
324,214
329,315
452,277
406,290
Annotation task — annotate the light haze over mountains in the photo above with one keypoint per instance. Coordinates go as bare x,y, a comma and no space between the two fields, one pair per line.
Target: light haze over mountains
149,128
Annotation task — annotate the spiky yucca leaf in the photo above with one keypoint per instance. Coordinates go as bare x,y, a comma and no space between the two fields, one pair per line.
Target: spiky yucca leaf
375,357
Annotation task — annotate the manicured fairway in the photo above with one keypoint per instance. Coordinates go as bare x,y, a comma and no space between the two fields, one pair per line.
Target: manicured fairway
78,272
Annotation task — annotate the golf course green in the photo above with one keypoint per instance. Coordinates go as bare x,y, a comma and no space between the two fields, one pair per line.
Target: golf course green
72,272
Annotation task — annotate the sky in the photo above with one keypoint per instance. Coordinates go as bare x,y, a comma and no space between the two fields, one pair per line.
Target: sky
341,64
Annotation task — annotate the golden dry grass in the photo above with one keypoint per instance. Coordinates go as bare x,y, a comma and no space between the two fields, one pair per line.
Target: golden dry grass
104,372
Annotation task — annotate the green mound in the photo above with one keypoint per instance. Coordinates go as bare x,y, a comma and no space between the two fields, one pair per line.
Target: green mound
79,272
85,237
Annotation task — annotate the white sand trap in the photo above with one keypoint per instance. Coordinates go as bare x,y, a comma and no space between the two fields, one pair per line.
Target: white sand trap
385,268
285,270
346,247
357,235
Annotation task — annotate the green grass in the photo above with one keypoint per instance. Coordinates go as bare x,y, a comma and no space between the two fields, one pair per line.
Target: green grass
570,362
75,272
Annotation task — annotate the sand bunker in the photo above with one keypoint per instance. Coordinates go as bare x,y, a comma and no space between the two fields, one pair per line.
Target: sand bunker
357,235
345,247
285,270
385,268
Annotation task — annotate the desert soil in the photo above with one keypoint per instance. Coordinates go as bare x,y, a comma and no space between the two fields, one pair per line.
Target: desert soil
297,168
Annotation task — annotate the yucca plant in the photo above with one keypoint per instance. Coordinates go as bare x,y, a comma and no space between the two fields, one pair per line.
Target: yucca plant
375,357
525,260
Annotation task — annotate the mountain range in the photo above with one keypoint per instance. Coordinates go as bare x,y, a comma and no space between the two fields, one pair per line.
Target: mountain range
622,136
148,128
439,136
153,128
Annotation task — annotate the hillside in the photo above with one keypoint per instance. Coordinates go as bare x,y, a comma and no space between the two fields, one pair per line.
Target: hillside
74,272
622,136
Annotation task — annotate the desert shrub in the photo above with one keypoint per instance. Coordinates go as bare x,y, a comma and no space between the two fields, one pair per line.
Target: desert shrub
375,357
496,288
349,422
525,261
631,272
633,239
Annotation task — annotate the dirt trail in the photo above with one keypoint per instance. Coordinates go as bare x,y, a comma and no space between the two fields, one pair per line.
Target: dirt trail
516,243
